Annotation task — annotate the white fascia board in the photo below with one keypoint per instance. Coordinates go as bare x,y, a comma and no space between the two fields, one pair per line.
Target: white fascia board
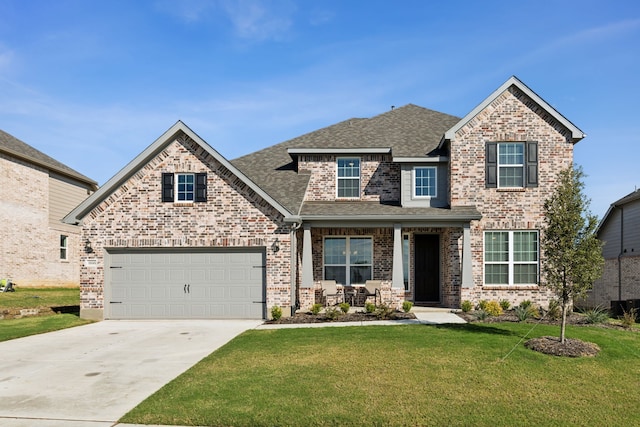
76,215
436,159
576,133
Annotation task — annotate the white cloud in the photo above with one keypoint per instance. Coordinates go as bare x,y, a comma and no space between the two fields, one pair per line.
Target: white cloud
260,20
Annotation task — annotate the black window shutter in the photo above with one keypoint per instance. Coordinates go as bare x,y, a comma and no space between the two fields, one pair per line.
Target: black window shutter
532,164
491,165
167,187
201,187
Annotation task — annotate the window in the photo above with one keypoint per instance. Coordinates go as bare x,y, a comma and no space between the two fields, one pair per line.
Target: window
424,181
348,260
510,257
64,240
511,164
184,187
405,260
349,177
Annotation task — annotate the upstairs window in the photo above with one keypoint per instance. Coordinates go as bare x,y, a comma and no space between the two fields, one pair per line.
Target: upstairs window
424,182
348,178
184,187
511,164
64,247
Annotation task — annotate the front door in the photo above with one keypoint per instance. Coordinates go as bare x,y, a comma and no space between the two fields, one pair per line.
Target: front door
427,268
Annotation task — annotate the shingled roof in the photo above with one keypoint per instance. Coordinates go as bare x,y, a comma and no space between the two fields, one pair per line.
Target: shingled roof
19,149
410,131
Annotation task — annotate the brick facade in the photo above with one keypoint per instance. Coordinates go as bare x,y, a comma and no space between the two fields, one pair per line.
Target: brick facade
30,243
234,216
620,281
511,117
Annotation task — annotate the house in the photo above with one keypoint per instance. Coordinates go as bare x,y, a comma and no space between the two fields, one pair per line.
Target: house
620,232
36,192
438,209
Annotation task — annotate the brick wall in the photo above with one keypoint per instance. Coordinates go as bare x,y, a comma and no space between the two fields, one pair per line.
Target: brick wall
609,288
134,216
512,116
30,245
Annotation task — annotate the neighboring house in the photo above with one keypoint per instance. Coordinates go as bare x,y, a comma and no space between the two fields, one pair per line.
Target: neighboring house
439,209
620,232
36,192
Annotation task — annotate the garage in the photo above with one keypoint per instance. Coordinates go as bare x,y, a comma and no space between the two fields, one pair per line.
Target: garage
185,284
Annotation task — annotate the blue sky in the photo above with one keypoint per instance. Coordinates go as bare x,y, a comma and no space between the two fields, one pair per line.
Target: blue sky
94,82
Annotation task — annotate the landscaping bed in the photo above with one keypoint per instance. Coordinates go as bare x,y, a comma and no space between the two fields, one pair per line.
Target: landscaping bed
358,316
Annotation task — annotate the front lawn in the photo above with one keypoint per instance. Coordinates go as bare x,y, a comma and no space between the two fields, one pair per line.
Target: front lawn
17,328
404,375
39,297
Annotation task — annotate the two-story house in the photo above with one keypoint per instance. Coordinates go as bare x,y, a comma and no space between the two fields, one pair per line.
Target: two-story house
438,209
36,192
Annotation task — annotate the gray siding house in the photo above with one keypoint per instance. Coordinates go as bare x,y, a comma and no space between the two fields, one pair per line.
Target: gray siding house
620,232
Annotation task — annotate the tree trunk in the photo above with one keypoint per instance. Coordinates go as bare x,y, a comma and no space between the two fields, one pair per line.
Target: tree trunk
563,323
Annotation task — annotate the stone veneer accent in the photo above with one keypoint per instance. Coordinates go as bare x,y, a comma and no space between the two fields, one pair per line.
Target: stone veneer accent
512,116
134,216
379,177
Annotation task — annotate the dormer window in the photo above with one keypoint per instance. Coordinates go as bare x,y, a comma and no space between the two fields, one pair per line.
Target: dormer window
424,181
348,177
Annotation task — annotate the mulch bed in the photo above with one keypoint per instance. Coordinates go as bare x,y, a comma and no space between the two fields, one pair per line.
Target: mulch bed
349,317
570,348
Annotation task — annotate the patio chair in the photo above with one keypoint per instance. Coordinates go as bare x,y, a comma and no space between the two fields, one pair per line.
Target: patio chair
330,289
372,289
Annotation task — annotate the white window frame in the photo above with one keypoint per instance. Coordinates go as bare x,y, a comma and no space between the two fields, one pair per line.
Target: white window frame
500,165
177,188
435,182
64,247
348,178
511,262
347,265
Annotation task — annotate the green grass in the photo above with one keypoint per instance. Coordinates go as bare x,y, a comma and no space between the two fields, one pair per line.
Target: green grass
403,375
17,328
39,297
25,298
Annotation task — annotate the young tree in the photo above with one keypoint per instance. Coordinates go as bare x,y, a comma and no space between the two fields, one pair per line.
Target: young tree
572,253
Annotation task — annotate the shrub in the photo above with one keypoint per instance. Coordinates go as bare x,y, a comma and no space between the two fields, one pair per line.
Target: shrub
344,306
316,308
369,307
629,318
554,311
493,308
384,312
525,304
466,306
481,314
523,313
276,312
482,304
332,313
406,306
596,315
505,304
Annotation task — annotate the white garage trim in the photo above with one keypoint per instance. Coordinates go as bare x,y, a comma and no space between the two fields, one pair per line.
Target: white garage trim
185,283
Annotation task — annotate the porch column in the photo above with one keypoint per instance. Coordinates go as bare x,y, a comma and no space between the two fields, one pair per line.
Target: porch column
307,259
467,277
397,276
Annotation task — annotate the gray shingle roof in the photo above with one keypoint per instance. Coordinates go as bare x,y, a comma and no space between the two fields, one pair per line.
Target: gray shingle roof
14,147
410,131
381,211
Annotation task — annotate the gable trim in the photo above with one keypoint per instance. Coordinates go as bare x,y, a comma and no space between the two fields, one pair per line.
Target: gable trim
76,216
576,133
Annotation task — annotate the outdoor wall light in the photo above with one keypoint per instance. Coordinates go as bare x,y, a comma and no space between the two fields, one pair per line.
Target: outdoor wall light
275,246
87,247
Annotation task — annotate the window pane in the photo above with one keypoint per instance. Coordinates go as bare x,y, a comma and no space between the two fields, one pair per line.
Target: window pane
496,274
525,274
525,246
335,273
496,246
348,187
361,251
511,153
360,274
425,182
335,251
348,168
511,176
349,177
185,187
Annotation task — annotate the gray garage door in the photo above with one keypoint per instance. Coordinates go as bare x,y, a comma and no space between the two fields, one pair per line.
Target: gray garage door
185,285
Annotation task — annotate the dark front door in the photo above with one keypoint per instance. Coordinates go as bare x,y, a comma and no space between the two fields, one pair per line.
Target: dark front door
427,268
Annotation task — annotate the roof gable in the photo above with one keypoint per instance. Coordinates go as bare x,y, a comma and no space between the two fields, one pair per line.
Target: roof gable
629,198
575,133
19,149
147,155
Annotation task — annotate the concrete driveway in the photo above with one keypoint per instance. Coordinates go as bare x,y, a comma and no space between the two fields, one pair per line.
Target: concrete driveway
92,375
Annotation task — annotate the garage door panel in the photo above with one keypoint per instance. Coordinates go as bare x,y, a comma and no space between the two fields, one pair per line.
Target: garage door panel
218,285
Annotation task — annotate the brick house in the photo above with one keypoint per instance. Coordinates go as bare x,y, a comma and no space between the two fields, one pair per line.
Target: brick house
36,192
620,232
438,209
